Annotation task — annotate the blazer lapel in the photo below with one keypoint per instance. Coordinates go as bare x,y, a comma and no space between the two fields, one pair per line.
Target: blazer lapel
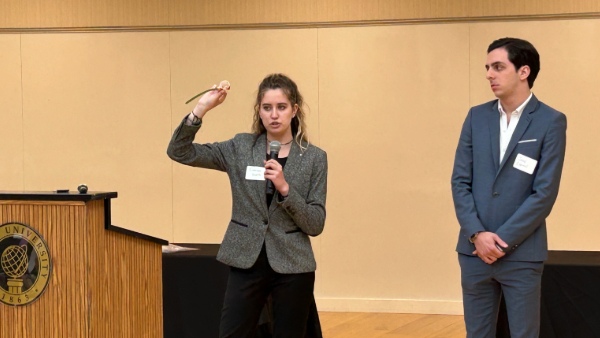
259,155
292,165
494,125
524,121
291,169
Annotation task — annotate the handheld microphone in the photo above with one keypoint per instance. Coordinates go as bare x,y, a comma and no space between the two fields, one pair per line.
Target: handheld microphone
274,154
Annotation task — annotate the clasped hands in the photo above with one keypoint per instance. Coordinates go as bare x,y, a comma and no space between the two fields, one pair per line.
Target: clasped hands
487,247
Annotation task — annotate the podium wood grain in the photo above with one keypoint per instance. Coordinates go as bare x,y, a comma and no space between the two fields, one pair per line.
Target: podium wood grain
103,283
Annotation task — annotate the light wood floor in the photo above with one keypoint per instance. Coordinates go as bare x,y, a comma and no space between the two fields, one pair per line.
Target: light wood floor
374,325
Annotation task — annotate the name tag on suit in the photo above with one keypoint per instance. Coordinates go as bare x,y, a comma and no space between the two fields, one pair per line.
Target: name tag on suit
255,173
525,164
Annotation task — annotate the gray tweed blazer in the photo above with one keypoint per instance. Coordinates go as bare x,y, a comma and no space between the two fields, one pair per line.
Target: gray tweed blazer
285,226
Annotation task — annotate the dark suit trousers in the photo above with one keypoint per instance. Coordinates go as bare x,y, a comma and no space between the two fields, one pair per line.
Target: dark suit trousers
483,286
247,293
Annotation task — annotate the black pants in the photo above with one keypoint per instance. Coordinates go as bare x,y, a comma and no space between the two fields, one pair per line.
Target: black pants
247,293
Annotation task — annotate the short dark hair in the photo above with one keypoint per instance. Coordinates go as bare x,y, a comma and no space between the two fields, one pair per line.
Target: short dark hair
520,53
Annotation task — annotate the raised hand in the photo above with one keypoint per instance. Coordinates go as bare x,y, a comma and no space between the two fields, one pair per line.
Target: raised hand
211,98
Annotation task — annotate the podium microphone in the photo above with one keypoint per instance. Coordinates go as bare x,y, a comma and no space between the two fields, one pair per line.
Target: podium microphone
274,154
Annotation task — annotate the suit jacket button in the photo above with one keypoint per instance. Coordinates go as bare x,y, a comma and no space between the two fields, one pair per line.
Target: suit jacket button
496,194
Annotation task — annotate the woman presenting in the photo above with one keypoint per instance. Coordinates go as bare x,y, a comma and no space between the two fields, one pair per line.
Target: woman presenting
267,243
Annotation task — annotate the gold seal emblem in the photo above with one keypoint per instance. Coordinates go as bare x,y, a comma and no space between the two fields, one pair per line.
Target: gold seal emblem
25,264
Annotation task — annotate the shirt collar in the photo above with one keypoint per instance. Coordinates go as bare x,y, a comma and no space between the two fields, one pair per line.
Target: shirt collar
520,108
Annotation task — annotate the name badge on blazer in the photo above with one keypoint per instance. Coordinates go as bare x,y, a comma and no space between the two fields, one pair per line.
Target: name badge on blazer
525,164
255,173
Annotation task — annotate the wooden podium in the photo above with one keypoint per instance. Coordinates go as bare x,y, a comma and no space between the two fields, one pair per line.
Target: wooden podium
104,281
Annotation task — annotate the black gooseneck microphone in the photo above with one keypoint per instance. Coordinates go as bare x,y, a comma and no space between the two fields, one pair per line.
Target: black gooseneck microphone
274,147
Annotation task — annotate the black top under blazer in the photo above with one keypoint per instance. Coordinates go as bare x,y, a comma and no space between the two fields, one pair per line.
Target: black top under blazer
284,227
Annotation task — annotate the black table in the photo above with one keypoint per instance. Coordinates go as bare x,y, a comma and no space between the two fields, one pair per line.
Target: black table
194,284
570,305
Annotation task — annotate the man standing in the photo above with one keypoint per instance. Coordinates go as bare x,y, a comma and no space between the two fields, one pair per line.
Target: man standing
505,180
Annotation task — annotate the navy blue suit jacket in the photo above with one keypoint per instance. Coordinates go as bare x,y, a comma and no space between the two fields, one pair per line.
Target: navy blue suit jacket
496,197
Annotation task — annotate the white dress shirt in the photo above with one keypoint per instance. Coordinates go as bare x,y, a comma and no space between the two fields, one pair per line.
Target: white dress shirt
507,128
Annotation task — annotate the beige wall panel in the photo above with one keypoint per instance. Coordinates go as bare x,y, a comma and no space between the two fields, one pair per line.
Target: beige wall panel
96,111
70,14
190,12
391,103
479,8
11,118
359,10
82,13
10,13
201,198
568,81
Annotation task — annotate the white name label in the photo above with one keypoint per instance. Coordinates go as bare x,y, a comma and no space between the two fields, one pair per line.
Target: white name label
525,164
255,173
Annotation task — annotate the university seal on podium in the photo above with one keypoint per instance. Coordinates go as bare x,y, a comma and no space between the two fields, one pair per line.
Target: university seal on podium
25,264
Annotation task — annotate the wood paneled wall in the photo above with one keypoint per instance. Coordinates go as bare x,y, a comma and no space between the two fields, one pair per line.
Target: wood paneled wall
21,15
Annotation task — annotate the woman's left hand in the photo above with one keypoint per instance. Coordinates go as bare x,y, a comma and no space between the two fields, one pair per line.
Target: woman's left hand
274,172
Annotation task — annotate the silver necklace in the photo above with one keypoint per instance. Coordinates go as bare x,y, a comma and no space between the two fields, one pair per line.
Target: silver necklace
283,144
